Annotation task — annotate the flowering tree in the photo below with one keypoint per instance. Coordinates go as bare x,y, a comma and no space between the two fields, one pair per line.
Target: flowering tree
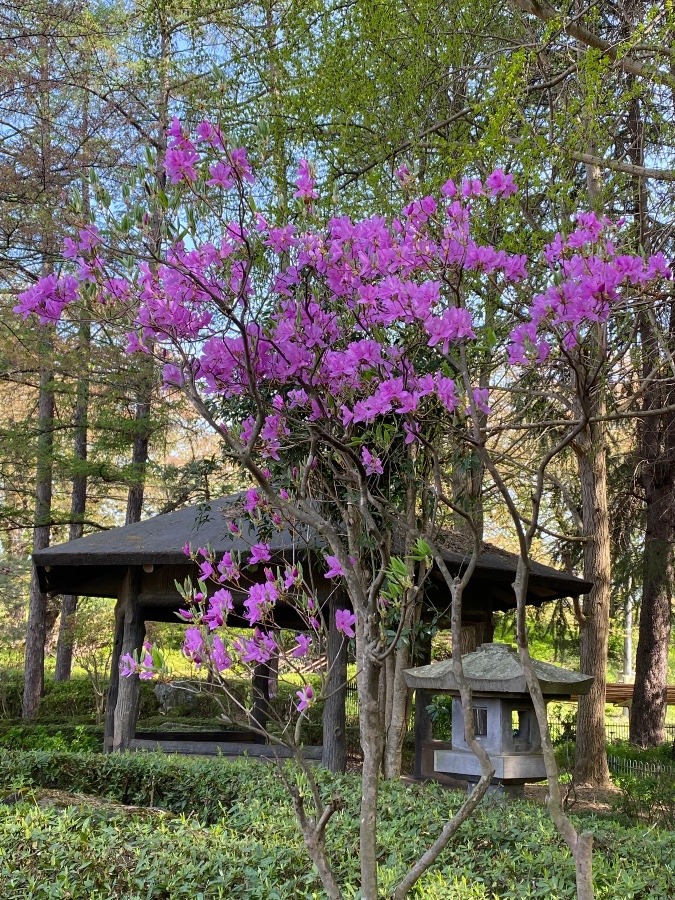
338,364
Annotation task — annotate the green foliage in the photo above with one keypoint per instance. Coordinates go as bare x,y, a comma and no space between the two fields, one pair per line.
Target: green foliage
648,798
440,712
72,738
253,849
660,755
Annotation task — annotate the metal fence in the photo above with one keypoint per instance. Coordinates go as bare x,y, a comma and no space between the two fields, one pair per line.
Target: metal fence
614,731
620,766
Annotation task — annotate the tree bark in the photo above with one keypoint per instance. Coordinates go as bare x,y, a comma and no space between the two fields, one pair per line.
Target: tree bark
657,477
371,731
590,765
78,498
648,714
334,755
34,668
397,724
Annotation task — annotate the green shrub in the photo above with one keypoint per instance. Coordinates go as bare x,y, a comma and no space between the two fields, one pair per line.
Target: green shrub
647,798
625,750
72,738
179,784
254,851
11,690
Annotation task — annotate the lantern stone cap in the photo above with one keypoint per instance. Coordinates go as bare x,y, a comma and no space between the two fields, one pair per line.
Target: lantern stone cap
496,669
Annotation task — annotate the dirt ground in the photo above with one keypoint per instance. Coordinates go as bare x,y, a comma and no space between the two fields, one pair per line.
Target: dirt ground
578,798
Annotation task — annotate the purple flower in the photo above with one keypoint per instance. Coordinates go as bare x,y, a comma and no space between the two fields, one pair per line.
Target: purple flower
480,398
222,176
219,655
227,568
206,570
335,569
305,182
305,697
303,643
373,465
501,185
240,165
252,500
260,601
128,665
453,326
291,577
193,645
147,663
345,621
259,553
257,650
180,163
219,606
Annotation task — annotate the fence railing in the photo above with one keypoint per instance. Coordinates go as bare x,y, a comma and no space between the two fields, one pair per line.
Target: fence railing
620,766
614,731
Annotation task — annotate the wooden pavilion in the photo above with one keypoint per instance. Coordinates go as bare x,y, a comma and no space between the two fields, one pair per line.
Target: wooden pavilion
138,566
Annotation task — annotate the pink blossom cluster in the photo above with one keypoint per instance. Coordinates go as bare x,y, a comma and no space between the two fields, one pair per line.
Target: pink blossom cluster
335,330
207,611
591,281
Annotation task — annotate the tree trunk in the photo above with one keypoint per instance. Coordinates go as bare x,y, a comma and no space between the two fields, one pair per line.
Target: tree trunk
34,668
78,498
657,476
590,765
370,727
334,755
648,713
423,726
397,702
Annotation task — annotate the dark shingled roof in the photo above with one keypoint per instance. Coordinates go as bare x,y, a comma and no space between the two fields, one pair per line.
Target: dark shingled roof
159,541
496,668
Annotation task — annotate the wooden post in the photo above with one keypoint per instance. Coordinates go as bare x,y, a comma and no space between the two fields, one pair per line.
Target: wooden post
334,755
132,626
423,725
113,684
260,690
423,729
468,639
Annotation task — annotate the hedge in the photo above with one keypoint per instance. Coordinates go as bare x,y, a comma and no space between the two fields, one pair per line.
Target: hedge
253,850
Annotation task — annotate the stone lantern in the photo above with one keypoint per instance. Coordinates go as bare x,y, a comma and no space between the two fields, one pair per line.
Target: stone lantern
503,716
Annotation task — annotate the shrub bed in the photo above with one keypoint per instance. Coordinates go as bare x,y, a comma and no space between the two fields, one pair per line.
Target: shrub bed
253,850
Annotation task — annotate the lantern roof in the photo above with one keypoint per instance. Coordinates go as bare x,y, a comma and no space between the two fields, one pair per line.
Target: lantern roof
496,669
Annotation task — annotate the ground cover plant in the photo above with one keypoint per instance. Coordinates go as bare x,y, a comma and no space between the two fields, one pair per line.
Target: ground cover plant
247,845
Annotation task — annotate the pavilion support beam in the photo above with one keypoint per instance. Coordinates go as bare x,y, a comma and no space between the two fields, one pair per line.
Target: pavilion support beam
422,728
334,756
124,693
113,684
260,699
423,725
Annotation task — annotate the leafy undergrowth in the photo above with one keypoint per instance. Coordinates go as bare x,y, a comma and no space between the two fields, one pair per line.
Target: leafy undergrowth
251,848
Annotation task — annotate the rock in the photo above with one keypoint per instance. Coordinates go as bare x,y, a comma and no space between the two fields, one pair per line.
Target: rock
172,695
